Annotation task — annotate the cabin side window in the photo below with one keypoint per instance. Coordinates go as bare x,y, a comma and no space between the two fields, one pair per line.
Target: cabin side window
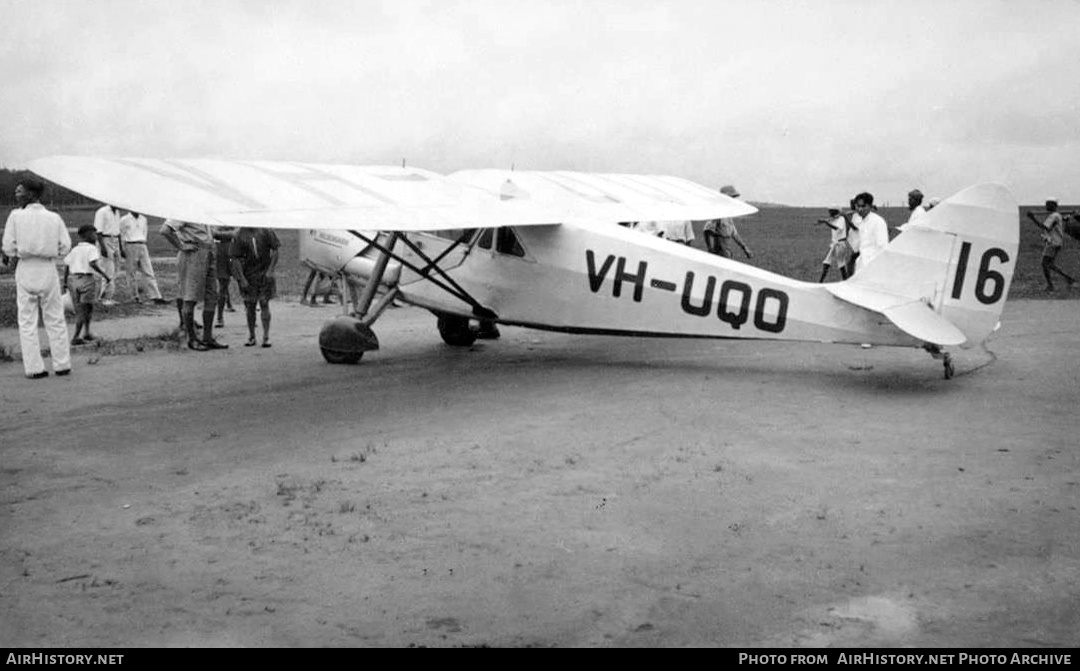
504,240
507,243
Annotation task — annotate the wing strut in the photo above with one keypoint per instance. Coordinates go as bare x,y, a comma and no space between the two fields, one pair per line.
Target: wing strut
446,283
364,302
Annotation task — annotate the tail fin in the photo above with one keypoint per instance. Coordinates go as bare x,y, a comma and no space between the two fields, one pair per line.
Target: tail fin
956,261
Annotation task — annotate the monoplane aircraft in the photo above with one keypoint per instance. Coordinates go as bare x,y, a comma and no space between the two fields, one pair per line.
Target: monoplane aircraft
543,250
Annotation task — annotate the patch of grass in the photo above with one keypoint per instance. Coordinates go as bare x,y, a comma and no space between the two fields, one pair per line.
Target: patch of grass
166,340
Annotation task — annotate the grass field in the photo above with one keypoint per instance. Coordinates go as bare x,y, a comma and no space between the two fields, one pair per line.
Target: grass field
784,241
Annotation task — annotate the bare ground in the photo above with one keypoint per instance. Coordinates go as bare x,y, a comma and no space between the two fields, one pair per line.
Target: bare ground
545,490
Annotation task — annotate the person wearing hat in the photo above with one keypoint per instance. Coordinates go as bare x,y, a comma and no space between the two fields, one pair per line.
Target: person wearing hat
1052,228
839,250
720,234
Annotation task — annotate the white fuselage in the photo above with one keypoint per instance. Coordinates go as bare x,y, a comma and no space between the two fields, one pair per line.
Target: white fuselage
609,279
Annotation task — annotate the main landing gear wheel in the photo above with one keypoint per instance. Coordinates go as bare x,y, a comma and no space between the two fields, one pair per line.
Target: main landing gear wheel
949,369
332,356
345,339
456,331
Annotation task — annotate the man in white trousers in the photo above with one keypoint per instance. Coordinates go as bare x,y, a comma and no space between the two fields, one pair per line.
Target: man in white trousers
140,271
39,239
107,223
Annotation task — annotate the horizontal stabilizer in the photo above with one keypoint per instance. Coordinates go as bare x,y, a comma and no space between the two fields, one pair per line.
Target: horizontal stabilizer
912,316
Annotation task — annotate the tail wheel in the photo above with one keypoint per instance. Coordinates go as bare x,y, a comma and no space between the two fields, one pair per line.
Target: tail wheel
456,331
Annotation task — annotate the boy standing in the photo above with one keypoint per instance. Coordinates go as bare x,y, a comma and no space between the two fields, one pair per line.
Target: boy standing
81,282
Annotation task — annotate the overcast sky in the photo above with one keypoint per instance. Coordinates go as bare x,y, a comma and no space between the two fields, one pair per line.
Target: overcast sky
803,103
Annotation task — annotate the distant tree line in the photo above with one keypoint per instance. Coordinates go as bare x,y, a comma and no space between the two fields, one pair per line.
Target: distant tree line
55,195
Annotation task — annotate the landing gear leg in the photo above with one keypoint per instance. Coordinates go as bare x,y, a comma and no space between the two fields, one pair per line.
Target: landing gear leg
346,338
946,358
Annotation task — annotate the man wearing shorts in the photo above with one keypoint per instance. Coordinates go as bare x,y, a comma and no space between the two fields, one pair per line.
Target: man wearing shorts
254,255
80,264
196,280
839,250
1053,227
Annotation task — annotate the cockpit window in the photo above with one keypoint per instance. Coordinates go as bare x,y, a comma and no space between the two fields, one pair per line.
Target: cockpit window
485,239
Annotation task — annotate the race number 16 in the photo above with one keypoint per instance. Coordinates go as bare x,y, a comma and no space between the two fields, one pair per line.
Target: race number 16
989,284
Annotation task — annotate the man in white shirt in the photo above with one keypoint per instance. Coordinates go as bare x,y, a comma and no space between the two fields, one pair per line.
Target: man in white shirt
38,238
873,231
649,227
839,249
915,207
107,225
679,231
139,269
81,264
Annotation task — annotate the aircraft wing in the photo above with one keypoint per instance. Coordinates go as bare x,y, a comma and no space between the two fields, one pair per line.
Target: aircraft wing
350,197
608,196
286,195
911,315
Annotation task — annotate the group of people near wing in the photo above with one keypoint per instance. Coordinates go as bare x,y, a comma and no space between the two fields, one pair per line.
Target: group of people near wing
208,258
36,239
859,233
721,235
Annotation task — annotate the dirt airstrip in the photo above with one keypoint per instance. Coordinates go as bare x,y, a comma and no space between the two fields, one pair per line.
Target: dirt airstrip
545,490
